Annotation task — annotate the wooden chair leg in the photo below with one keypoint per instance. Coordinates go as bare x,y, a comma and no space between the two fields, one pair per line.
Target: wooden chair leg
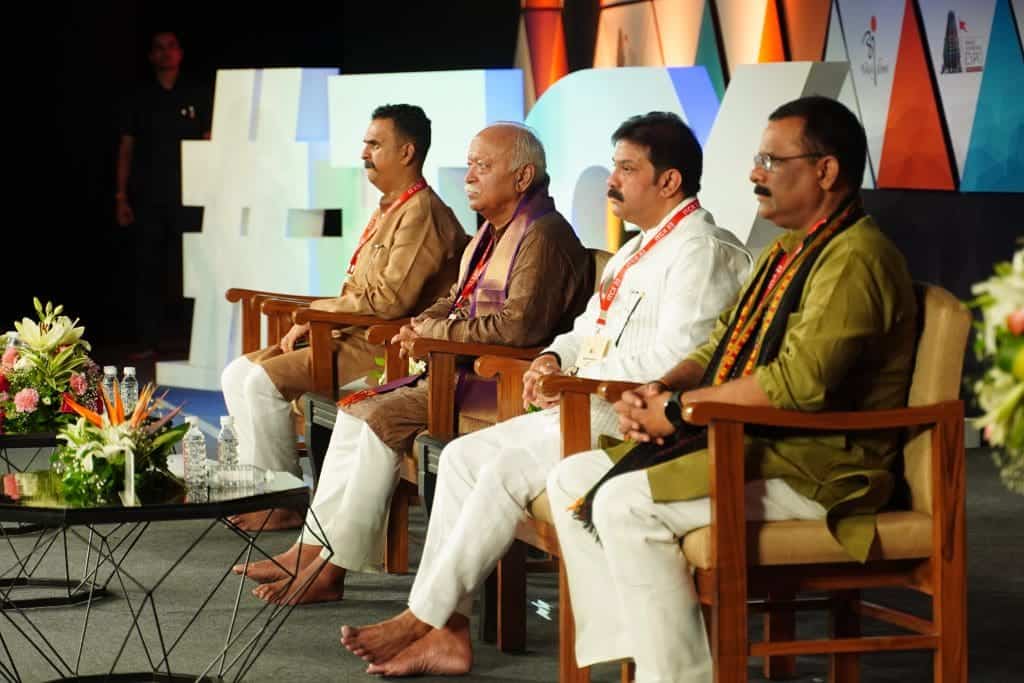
396,545
568,671
511,578
627,672
729,636
845,623
779,625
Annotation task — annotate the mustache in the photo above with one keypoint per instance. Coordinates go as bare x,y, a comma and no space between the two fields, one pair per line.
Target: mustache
615,194
762,190
368,164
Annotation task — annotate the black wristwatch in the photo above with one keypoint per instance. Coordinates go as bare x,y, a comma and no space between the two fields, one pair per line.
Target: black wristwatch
674,410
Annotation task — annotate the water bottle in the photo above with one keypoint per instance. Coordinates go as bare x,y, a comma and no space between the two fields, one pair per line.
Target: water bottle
109,377
194,449
129,390
227,442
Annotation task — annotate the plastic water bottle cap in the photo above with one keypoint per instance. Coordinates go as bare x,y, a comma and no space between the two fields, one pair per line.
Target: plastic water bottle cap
227,421
110,370
129,371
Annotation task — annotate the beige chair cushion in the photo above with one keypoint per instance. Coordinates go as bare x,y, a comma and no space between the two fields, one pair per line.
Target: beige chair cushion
902,535
937,368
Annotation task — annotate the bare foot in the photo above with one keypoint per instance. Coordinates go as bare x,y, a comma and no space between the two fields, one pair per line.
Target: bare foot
280,566
268,520
443,652
318,581
382,641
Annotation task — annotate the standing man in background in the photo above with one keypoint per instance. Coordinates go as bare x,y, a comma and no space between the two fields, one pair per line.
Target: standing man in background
156,118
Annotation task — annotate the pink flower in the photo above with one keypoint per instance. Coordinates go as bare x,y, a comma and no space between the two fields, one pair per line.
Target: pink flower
3,397
26,400
78,383
9,358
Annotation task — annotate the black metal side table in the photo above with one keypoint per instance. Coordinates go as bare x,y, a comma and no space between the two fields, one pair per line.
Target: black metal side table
110,533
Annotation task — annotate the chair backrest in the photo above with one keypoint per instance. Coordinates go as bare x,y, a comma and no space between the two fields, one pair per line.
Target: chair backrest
938,364
600,259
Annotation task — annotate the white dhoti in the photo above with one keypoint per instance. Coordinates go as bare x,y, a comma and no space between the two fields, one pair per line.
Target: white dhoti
263,419
632,594
485,482
353,495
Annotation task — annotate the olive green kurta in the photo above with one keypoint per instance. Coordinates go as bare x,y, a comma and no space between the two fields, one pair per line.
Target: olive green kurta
849,346
411,260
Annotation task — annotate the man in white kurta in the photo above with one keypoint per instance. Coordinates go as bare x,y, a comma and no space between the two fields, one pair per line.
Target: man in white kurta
672,282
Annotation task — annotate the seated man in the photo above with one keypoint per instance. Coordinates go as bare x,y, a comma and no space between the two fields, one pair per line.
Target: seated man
523,279
827,322
659,296
407,256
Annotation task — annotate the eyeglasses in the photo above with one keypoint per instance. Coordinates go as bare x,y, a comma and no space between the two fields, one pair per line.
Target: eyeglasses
767,161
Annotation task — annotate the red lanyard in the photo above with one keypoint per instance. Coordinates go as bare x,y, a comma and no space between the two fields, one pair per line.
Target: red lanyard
787,258
478,271
371,227
608,295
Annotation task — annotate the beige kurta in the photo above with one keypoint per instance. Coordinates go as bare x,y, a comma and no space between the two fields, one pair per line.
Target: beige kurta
412,258
550,283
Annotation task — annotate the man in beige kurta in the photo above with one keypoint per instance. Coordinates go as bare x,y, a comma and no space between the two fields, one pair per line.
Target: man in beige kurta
523,279
407,256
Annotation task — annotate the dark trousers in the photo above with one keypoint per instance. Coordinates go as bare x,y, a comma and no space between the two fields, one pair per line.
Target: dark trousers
161,312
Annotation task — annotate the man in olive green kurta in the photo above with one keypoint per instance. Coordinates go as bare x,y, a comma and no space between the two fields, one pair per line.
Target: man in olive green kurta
843,339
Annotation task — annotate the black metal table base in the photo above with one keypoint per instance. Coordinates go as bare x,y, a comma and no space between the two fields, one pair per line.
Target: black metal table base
107,551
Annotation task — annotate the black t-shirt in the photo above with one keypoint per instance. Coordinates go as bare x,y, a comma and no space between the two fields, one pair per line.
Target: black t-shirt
159,120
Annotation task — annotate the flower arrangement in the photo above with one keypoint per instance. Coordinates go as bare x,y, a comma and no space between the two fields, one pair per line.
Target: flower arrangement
999,344
100,448
48,363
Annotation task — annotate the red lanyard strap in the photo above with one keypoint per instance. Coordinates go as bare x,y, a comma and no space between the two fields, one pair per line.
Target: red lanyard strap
608,295
371,227
788,258
478,271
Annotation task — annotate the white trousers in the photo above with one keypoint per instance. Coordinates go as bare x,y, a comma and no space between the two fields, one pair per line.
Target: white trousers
632,594
353,495
263,418
485,482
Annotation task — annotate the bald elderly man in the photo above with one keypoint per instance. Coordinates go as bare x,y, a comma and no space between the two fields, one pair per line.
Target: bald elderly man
523,279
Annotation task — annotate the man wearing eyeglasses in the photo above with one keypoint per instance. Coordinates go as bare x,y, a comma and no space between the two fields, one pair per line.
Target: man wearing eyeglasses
827,322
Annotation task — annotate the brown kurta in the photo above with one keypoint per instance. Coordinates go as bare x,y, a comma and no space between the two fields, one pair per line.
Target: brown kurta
412,258
549,285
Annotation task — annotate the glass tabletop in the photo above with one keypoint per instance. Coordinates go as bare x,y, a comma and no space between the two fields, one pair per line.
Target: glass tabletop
35,496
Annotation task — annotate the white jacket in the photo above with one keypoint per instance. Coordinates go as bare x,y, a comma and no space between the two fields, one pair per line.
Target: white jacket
667,304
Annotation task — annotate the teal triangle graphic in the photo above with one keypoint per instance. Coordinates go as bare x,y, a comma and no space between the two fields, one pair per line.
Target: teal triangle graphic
707,51
994,162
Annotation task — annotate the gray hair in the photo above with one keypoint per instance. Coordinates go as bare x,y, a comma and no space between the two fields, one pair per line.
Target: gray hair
526,149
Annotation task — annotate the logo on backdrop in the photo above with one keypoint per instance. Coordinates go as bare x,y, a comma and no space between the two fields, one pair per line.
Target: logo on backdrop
873,65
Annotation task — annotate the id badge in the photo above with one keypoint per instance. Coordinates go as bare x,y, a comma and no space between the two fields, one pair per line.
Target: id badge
595,348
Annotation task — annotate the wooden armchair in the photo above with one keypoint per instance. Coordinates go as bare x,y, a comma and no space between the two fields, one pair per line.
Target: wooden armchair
480,408
921,548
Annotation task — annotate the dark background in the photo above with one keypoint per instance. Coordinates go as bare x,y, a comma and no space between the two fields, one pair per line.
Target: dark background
73,64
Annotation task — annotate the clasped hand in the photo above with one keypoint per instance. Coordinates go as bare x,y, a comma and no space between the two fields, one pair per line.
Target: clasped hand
642,413
542,365
296,333
406,336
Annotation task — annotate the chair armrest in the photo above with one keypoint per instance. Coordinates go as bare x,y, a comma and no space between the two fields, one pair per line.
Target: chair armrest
276,306
423,346
236,294
489,366
551,385
703,413
308,315
382,333
612,391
